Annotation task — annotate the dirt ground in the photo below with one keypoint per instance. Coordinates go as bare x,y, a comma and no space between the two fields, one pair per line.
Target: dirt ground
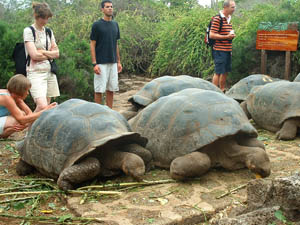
198,201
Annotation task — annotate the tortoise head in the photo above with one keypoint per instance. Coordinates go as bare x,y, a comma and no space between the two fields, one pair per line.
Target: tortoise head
259,163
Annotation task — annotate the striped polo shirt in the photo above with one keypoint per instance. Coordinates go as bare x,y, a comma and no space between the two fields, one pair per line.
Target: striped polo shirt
222,45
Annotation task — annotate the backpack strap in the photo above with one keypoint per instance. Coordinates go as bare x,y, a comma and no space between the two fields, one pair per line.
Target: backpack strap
33,32
221,22
48,32
34,37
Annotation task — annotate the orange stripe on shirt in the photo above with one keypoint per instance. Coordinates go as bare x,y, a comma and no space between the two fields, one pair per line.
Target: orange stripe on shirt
222,45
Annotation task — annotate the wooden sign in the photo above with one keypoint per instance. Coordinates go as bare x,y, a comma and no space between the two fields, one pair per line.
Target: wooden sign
285,40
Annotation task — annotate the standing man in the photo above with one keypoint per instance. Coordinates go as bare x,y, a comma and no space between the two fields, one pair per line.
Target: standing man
223,45
105,54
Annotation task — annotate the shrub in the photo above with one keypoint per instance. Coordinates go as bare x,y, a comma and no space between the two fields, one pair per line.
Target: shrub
181,47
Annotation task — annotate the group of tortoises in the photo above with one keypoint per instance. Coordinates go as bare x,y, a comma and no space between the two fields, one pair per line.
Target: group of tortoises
182,123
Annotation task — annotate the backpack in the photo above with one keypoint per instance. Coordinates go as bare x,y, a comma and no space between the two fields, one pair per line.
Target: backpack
208,41
19,55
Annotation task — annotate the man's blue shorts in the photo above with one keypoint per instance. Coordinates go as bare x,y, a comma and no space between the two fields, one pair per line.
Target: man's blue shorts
222,61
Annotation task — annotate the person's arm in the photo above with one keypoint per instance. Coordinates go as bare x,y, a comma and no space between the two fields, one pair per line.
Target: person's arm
214,34
93,56
119,60
217,36
22,105
35,54
16,112
53,53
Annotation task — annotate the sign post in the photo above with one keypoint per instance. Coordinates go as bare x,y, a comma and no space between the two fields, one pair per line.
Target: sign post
278,40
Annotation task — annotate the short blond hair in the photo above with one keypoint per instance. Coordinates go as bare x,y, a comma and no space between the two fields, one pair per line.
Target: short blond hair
41,10
18,84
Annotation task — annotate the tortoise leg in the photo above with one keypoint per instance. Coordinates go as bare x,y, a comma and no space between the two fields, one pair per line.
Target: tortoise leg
244,107
288,130
24,168
190,165
250,142
85,170
130,163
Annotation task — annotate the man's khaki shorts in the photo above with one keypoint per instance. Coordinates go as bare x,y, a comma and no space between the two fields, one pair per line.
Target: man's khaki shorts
43,84
107,79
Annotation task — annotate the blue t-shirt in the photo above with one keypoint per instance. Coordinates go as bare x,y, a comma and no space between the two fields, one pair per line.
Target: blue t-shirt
106,34
3,110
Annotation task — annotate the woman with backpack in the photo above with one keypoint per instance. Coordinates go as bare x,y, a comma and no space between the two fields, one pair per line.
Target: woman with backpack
40,45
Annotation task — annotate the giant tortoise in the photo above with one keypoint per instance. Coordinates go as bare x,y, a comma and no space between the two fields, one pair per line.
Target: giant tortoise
164,86
275,107
193,130
241,89
79,140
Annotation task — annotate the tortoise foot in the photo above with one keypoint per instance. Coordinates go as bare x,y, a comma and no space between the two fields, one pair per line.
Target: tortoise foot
289,129
64,185
83,171
190,165
24,168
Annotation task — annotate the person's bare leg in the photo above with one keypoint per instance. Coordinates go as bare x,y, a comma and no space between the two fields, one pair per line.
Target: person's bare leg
8,130
222,81
41,103
48,100
98,97
109,98
215,79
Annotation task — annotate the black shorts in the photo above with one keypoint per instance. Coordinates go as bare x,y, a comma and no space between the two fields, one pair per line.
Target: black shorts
222,61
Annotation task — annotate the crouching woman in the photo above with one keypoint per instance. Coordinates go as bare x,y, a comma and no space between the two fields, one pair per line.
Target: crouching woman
15,115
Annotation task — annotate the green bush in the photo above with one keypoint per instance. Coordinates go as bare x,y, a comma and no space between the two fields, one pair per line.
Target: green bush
75,71
155,39
181,47
9,35
246,59
137,44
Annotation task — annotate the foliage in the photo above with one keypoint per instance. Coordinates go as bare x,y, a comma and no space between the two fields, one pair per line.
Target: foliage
139,32
155,38
246,59
181,49
9,35
75,70
185,4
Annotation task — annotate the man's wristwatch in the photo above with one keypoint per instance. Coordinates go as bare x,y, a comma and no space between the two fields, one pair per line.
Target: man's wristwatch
94,64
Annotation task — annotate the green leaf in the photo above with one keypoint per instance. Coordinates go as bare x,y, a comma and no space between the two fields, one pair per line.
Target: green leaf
261,138
52,205
64,218
18,205
151,220
280,216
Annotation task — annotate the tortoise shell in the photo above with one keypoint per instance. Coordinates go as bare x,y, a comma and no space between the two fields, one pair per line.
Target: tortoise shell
241,89
270,105
65,134
167,85
188,120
